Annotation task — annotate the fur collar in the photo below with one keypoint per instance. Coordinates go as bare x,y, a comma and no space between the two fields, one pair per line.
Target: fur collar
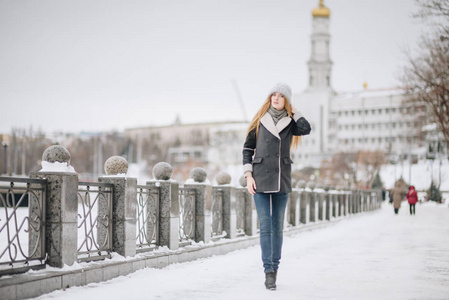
268,123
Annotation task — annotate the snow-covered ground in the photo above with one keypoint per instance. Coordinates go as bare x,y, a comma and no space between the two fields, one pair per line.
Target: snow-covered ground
375,255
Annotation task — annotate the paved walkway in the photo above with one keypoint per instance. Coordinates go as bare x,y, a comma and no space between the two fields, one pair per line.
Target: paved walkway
369,256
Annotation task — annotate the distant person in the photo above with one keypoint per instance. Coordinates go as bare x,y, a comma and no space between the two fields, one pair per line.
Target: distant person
412,197
397,194
267,165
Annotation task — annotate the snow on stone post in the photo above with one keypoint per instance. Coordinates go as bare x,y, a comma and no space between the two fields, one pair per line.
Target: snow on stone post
229,203
124,206
203,204
168,205
250,210
61,206
302,201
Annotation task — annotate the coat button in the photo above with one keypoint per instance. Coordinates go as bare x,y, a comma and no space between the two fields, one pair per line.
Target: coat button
267,140
277,154
266,155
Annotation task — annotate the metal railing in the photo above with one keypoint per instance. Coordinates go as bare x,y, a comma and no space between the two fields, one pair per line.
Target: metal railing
186,215
95,220
147,218
22,224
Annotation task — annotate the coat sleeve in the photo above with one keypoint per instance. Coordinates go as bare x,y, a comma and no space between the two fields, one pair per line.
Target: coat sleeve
249,148
302,125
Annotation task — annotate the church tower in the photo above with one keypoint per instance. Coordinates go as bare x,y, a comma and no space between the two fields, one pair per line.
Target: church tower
315,101
320,64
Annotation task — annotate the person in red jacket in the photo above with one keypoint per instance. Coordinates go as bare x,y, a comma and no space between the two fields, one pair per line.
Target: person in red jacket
412,198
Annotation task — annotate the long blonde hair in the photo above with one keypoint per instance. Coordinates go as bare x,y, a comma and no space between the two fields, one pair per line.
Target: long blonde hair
255,123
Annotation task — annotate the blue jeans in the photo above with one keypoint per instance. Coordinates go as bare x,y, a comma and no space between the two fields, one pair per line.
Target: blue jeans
271,210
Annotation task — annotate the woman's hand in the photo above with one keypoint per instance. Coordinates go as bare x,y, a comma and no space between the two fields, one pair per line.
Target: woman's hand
251,184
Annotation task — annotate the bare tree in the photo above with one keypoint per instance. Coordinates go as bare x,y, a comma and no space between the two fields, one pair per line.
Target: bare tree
426,75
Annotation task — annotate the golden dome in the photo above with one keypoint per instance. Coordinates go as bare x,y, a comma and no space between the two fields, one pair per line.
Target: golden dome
321,11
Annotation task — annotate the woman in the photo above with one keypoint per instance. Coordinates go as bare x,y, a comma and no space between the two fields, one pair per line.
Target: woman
412,197
397,195
267,165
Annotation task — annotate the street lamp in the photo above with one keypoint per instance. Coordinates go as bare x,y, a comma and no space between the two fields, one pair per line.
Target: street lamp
5,143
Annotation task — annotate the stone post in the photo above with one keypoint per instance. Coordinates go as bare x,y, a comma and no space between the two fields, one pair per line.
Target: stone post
250,210
312,198
293,208
124,206
320,199
229,205
334,205
302,202
328,199
203,204
61,206
344,203
168,205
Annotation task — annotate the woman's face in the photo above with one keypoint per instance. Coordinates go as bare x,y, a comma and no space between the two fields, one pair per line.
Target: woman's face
277,101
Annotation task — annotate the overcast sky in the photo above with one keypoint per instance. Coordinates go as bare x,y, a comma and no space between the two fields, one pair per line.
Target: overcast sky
72,65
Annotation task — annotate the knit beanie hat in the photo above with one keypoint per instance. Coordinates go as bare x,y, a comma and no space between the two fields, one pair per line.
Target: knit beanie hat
284,89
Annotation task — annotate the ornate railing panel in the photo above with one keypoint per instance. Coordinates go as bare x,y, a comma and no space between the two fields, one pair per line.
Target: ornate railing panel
217,212
147,218
22,224
95,220
186,214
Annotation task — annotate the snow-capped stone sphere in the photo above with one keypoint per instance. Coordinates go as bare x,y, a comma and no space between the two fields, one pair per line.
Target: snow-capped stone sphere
116,165
162,171
56,153
198,174
223,178
311,185
242,181
319,185
301,184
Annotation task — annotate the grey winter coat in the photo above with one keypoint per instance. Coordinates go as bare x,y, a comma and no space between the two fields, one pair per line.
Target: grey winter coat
268,156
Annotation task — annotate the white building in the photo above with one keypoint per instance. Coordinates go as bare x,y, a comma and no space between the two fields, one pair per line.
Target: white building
349,122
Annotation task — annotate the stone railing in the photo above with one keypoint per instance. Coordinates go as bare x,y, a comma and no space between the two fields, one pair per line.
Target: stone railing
88,221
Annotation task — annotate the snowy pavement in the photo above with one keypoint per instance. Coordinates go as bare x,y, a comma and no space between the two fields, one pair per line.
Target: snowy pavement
375,255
